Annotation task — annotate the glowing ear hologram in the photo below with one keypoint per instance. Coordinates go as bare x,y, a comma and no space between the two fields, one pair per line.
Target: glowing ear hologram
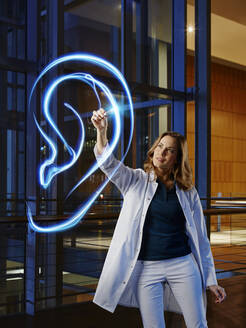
48,170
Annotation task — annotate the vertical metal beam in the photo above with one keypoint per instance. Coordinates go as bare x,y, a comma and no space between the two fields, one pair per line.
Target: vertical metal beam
31,271
126,53
32,23
55,17
115,45
142,42
3,138
126,38
203,101
3,261
53,269
179,64
142,76
31,131
3,107
154,80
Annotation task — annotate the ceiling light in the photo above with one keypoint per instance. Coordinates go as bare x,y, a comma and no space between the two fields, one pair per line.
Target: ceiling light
190,28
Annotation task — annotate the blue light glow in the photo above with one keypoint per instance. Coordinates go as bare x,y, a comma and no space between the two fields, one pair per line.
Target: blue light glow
48,169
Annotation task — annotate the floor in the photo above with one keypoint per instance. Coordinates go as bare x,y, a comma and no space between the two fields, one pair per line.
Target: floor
230,314
231,269
87,249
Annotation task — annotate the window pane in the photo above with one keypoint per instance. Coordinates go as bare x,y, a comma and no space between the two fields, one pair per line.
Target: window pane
12,28
94,27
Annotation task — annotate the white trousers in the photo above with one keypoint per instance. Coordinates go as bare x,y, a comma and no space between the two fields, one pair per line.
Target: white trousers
183,276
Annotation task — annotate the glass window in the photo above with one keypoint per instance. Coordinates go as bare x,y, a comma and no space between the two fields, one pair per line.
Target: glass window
94,27
152,47
12,28
12,159
20,100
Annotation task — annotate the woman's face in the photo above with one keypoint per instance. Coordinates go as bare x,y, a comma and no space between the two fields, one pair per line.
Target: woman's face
165,153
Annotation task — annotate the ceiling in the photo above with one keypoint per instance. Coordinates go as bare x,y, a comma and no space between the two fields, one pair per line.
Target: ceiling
228,24
234,10
228,30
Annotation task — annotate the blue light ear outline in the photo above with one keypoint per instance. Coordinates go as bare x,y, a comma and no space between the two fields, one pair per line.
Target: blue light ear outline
87,78
49,164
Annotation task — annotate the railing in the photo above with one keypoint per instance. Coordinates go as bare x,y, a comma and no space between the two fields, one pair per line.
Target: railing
16,207
227,221
39,271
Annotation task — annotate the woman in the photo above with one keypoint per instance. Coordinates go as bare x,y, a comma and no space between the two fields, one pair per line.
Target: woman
159,257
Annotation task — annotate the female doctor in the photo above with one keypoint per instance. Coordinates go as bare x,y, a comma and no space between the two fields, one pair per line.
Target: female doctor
160,256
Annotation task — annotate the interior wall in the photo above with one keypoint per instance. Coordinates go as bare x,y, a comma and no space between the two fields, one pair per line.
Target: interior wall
191,115
228,128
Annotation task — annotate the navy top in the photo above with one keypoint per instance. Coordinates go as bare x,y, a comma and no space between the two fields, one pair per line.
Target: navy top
164,230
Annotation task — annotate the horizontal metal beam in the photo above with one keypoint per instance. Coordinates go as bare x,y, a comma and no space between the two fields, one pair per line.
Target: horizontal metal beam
91,217
149,89
224,211
18,65
143,104
74,3
136,87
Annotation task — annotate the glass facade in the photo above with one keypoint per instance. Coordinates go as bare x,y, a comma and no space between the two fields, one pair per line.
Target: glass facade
87,28
12,109
138,37
146,41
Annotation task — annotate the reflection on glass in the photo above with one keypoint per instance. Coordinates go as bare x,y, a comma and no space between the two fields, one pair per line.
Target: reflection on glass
12,28
94,27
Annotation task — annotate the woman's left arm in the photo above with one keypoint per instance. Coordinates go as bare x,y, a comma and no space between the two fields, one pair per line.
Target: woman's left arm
205,251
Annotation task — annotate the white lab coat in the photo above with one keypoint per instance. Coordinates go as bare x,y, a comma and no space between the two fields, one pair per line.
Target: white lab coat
116,284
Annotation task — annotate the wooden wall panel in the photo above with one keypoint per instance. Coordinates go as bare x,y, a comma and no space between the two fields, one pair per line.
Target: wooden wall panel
221,123
191,145
239,126
228,128
221,149
191,117
238,171
239,150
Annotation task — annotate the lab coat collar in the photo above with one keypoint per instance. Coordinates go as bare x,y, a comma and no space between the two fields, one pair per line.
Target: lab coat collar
153,178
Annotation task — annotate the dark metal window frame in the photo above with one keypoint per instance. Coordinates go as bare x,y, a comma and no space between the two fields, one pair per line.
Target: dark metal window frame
177,95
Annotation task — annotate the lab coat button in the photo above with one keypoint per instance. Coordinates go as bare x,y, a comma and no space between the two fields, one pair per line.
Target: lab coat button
124,282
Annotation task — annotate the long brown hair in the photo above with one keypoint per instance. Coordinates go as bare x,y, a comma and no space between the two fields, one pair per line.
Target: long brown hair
181,172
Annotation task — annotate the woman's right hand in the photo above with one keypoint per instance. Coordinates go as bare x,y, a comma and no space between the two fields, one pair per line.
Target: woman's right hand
99,120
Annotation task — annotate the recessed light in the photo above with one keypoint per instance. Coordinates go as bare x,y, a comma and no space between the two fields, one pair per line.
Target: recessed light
190,29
